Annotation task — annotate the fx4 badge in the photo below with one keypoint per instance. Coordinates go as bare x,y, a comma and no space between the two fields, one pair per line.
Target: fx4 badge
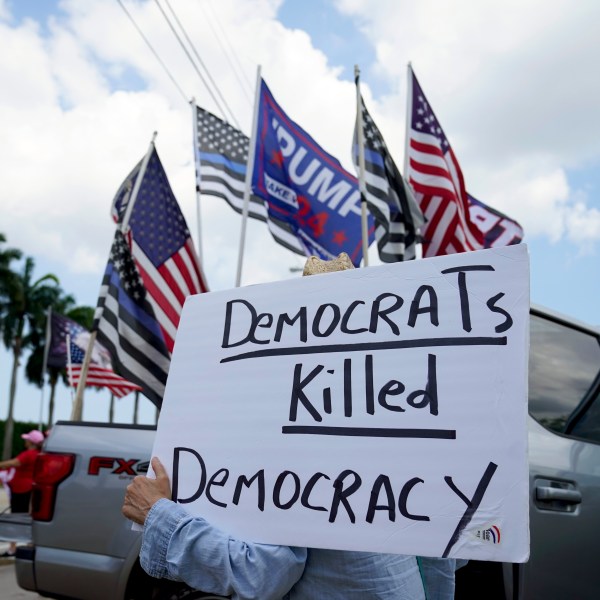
118,466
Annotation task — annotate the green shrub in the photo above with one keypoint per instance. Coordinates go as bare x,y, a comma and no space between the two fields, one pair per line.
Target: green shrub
19,428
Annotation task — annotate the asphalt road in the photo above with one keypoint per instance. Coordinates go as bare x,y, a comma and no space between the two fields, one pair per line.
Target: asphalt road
9,590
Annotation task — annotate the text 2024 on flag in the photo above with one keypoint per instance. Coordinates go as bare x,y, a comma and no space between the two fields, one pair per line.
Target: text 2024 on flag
317,218
127,326
160,244
397,215
305,186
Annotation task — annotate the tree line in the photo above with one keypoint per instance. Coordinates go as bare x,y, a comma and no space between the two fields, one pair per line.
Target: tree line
24,302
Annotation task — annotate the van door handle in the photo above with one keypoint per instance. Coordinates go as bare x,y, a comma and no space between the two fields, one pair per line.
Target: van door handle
548,494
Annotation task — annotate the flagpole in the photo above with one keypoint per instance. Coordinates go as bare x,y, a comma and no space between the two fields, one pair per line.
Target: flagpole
248,182
77,411
69,368
138,184
136,403
198,174
45,362
78,404
361,168
409,95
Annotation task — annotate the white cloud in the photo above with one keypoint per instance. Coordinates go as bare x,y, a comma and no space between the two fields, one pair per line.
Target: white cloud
65,166
510,82
583,225
78,78
542,200
69,139
26,82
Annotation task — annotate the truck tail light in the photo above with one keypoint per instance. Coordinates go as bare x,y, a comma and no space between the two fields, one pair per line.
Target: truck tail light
50,469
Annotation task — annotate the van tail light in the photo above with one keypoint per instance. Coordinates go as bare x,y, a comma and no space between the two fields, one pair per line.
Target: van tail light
50,469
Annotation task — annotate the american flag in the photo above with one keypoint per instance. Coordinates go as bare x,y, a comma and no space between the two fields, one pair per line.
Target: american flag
97,375
127,326
60,328
161,245
221,162
391,202
437,180
100,372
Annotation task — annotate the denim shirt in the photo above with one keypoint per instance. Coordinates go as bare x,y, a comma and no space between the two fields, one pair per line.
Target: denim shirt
180,547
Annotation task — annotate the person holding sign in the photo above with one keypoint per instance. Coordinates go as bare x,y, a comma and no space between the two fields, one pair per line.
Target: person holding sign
182,547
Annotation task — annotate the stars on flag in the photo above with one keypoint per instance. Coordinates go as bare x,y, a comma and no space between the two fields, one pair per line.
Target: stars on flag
277,158
339,237
216,136
120,256
424,119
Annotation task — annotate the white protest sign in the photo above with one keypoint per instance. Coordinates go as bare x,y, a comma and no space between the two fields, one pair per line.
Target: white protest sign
380,409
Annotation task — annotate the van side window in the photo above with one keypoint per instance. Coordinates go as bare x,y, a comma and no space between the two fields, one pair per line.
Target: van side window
563,364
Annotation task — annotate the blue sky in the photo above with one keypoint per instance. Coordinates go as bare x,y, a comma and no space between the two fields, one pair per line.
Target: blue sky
511,82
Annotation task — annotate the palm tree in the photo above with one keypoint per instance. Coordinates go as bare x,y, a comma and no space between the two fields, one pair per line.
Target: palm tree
7,256
23,312
7,275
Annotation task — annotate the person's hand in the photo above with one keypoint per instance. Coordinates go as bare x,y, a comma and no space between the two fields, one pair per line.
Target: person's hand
143,493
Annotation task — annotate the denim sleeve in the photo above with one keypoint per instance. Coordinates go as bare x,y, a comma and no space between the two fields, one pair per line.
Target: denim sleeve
177,546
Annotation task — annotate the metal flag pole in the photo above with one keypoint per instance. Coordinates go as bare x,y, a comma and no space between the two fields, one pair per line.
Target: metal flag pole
198,174
361,168
408,113
248,181
45,362
409,95
69,367
78,404
138,184
136,404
